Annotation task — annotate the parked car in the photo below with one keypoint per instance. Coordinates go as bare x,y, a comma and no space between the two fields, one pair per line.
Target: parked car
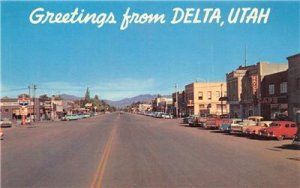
158,114
167,116
1,134
215,122
5,122
254,130
280,130
185,120
71,117
242,126
226,124
296,140
200,120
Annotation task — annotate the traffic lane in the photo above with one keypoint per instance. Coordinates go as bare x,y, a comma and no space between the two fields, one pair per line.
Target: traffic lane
159,153
63,155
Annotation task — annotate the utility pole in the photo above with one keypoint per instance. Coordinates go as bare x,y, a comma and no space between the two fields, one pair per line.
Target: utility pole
176,98
29,91
34,102
221,99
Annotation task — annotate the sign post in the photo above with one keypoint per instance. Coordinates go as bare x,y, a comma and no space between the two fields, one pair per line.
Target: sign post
23,102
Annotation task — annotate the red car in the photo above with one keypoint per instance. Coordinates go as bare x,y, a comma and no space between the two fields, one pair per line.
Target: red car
280,130
214,123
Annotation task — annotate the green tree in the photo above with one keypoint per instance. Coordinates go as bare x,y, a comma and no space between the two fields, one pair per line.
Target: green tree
87,97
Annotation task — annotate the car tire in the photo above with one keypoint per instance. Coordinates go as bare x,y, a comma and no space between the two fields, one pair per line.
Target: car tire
280,138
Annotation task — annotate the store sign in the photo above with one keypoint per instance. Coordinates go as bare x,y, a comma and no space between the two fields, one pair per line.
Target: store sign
254,84
23,111
269,100
24,102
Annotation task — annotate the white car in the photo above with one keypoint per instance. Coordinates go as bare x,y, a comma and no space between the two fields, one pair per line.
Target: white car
5,122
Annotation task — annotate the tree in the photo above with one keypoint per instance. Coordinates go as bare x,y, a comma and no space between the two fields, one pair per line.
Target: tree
96,102
87,97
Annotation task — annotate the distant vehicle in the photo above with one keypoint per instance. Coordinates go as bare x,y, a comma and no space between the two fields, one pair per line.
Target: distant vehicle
1,134
226,124
254,130
71,117
200,120
185,120
158,114
167,116
280,130
242,126
85,115
5,122
296,140
215,122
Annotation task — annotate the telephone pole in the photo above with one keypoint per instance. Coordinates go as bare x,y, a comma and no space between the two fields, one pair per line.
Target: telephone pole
34,102
221,99
176,98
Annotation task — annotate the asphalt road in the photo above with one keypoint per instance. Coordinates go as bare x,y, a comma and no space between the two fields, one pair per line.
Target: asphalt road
130,150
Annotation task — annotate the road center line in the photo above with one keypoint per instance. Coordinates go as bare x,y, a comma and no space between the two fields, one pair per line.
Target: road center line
98,178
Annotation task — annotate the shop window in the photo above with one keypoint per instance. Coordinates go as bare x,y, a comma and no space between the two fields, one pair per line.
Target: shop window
283,87
271,89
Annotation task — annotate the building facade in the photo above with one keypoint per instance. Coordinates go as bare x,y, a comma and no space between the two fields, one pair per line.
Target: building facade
181,105
294,85
204,98
274,96
251,86
234,88
162,104
10,108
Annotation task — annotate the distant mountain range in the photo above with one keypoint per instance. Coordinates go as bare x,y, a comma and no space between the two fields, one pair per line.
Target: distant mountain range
118,103
128,101
70,97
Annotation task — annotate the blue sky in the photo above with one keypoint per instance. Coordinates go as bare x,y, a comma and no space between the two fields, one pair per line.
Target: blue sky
142,59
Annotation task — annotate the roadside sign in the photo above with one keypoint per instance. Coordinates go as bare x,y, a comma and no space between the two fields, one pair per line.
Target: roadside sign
23,111
23,102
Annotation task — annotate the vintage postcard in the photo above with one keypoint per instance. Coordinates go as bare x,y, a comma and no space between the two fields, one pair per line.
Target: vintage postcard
150,93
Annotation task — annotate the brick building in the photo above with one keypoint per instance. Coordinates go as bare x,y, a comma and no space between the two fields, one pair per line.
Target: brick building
294,85
274,96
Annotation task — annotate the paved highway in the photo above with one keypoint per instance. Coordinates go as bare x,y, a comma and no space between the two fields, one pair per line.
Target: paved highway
127,150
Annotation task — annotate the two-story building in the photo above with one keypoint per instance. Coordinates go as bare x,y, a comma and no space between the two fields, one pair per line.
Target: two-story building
204,98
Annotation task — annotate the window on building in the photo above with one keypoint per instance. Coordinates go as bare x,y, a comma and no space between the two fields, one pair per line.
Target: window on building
218,94
201,106
271,89
6,110
200,95
283,87
209,95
